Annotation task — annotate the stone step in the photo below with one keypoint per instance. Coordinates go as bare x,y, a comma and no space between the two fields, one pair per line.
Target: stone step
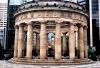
50,62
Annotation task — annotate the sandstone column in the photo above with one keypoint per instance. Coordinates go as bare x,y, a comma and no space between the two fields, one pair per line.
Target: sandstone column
58,41
64,43
37,41
85,42
20,40
43,41
29,41
71,42
80,41
16,41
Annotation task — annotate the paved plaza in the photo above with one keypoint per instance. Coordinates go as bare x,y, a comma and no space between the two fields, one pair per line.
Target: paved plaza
6,64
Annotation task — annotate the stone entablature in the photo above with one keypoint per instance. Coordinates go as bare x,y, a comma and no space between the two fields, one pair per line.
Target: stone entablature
52,14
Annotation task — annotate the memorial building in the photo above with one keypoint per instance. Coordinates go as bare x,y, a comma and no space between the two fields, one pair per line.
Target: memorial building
51,16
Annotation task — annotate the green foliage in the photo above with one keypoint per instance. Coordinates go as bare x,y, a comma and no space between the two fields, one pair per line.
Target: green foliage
91,54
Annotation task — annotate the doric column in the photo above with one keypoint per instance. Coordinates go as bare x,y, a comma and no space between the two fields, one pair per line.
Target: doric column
43,41
71,42
29,41
80,41
16,41
64,43
37,41
58,41
85,42
20,41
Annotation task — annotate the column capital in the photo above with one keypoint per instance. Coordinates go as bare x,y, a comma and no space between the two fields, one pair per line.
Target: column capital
71,23
59,21
16,26
30,23
43,22
85,27
21,25
79,25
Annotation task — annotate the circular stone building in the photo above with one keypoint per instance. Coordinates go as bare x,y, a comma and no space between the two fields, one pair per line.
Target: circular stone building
51,16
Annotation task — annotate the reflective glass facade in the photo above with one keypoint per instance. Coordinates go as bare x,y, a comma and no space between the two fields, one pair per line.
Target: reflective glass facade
95,14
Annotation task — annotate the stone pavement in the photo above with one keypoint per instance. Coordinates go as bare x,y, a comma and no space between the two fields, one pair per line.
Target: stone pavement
6,64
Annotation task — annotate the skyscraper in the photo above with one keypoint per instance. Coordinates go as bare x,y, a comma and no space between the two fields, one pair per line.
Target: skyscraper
3,15
3,23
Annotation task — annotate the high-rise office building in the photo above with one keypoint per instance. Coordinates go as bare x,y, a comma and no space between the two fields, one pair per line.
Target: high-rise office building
3,23
3,15
12,8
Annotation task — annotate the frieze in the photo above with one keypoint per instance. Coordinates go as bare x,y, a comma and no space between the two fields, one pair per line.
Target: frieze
52,14
48,13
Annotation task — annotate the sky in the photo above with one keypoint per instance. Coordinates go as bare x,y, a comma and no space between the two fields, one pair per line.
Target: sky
3,1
